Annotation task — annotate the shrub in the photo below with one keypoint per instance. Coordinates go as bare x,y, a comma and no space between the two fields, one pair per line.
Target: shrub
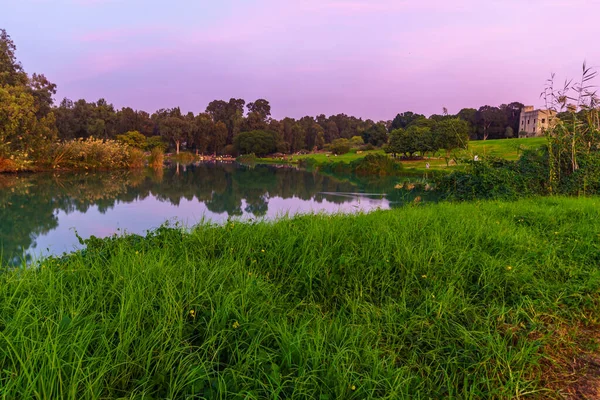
156,158
340,146
375,164
357,141
92,153
155,141
136,158
133,139
494,178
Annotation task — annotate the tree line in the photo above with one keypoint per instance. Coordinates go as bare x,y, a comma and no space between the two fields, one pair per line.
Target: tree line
29,118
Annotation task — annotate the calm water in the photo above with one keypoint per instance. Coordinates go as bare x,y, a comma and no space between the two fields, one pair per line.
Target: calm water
40,213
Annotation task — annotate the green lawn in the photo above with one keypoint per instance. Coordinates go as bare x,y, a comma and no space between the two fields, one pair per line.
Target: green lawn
504,148
475,300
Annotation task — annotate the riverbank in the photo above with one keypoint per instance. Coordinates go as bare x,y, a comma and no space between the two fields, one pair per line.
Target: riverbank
508,149
482,300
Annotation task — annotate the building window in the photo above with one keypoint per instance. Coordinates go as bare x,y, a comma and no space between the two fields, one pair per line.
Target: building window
534,121
543,120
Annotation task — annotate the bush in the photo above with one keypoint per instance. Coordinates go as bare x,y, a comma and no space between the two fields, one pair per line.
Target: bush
367,147
357,141
260,143
375,164
340,146
494,178
155,141
92,153
156,158
133,139
136,158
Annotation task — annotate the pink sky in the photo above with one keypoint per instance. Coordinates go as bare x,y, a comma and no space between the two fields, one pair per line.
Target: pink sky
369,58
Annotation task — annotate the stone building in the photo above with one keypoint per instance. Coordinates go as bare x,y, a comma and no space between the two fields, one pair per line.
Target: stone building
534,122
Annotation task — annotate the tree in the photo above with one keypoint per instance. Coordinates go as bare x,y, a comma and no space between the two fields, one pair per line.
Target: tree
20,128
356,141
404,119
331,131
260,107
452,134
11,71
376,135
175,129
218,137
491,122
133,139
401,142
203,128
42,90
259,143
298,137
469,115
512,111
320,137
340,146
230,113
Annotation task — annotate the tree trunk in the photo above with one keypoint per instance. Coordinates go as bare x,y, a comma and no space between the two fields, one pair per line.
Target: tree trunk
177,145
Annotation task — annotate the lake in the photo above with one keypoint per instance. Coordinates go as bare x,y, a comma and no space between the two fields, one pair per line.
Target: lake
40,214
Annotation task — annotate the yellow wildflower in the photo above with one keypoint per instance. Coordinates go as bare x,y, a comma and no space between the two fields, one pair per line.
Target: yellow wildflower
262,251
424,276
509,268
236,325
193,313
353,387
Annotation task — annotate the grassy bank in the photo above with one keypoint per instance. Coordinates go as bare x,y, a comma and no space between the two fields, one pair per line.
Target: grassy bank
509,149
444,301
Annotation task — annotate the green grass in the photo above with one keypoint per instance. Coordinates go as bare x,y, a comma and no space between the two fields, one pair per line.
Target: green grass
509,149
440,301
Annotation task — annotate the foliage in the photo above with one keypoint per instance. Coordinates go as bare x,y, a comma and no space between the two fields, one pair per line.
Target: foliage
574,141
375,164
403,120
491,178
93,153
446,133
376,135
153,142
444,301
256,142
356,141
156,158
340,146
133,139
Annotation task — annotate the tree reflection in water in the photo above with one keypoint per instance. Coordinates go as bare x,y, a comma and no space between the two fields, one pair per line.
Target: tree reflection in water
30,204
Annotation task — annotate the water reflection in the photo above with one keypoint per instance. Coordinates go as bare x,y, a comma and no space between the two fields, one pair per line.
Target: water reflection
38,213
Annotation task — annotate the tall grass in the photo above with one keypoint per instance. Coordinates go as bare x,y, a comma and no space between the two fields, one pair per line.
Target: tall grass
444,301
157,157
92,153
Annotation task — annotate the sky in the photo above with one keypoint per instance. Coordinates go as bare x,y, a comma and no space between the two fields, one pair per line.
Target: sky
367,58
